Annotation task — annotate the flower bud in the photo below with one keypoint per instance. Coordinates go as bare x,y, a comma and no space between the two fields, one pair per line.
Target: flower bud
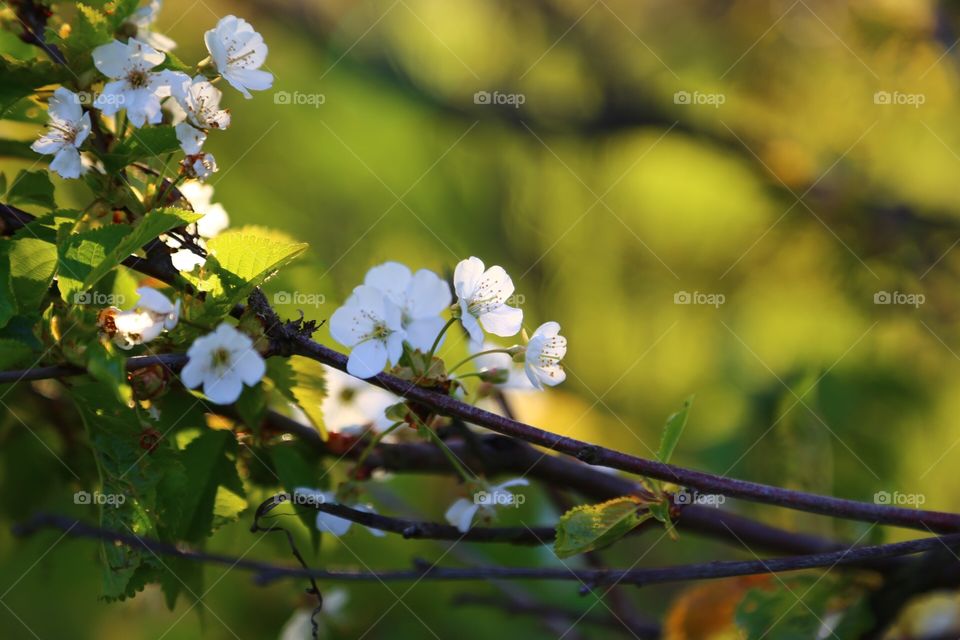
149,382
495,375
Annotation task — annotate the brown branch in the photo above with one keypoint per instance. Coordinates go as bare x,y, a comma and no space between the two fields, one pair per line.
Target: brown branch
266,573
289,338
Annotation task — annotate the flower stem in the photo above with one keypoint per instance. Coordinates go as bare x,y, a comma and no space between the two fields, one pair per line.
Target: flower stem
436,343
450,455
375,441
477,355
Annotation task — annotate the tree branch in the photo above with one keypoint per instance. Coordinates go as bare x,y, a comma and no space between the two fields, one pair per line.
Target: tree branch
266,573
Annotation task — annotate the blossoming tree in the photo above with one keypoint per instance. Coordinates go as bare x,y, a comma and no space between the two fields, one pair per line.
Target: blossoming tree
172,386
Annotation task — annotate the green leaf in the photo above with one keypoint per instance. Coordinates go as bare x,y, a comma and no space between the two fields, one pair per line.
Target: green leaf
13,353
131,478
295,471
81,253
21,78
143,144
33,263
119,11
588,527
108,365
87,257
32,188
245,258
303,382
152,225
765,609
90,29
47,226
216,494
27,267
672,431
15,149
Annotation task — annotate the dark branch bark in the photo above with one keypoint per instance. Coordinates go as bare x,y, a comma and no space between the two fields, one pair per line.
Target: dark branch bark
597,455
266,573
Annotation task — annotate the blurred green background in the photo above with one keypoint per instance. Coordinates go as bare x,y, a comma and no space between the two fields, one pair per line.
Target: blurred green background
778,181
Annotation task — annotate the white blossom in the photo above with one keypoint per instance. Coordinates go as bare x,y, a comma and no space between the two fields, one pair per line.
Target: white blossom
370,324
200,165
200,101
190,138
200,197
461,513
516,376
327,522
133,85
352,403
543,355
152,313
421,297
238,53
142,21
214,220
223,361
482,297
68,127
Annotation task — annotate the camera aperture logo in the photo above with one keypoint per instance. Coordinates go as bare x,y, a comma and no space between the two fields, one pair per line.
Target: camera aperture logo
303,498
900,298
698,297
897,98
498,499
98,299
97,498
299,298
299,98
510,99
699,98
899,499
685,497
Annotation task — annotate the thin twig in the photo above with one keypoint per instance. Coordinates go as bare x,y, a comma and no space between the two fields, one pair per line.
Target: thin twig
266,573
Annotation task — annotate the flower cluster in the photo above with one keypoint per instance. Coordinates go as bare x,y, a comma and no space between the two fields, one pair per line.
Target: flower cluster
391,307
395,309
137,86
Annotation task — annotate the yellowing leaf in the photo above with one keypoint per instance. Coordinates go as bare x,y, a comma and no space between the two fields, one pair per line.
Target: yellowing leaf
590,527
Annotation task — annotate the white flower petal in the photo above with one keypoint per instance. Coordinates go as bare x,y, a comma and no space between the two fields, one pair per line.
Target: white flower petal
67,163
367,359
329,523
460,514
391,278
503,321
223,388
467,275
